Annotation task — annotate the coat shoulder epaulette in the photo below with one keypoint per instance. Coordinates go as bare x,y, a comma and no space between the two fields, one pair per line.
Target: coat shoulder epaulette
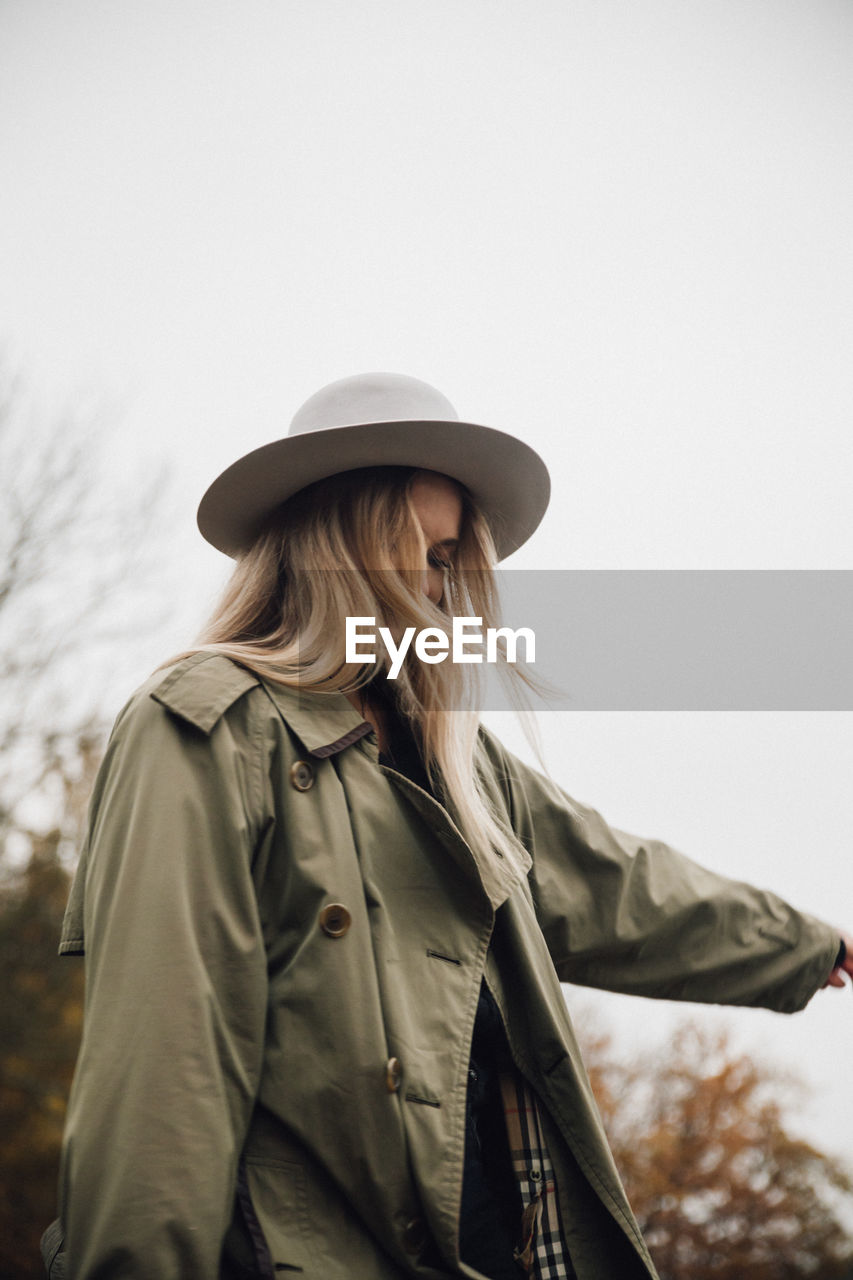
201,688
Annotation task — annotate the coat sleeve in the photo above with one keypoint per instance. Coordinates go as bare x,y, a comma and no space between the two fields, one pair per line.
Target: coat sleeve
636,916
175,999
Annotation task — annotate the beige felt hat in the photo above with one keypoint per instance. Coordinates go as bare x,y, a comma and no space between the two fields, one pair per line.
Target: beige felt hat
371,420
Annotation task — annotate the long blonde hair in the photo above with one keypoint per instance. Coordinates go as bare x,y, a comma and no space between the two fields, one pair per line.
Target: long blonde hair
335,550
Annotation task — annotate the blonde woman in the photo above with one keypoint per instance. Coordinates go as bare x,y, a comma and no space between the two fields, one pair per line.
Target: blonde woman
326,915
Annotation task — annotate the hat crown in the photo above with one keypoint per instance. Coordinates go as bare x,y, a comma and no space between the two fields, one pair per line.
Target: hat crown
372,397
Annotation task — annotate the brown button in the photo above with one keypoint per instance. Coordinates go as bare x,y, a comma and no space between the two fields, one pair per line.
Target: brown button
302,775
393,1075
335,920
415,1236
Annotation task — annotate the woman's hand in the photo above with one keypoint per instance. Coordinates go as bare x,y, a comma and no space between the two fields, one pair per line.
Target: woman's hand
836,978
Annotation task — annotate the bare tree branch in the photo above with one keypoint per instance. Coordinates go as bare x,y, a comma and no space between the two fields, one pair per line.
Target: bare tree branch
76,554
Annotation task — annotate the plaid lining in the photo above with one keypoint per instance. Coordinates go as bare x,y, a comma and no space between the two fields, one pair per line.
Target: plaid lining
542,1254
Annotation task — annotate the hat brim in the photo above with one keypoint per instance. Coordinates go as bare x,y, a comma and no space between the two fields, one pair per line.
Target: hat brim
507,479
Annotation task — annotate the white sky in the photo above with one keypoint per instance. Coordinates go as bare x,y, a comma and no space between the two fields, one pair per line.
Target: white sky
620,229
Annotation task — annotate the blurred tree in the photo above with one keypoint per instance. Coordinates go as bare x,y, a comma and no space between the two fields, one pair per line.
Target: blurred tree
721,1189
76,552
40,1018
71,577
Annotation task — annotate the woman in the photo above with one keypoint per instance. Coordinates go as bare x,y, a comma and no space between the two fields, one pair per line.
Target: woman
325,916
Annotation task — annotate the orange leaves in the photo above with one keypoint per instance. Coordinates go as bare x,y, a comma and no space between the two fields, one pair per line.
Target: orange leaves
720,1188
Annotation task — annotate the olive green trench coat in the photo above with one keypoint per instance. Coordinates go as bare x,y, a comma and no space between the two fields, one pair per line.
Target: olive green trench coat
284,946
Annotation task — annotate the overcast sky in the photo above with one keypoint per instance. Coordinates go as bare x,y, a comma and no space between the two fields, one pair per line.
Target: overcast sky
621,230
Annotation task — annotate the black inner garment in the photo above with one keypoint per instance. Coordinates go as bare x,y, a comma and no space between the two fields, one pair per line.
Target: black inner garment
491,1202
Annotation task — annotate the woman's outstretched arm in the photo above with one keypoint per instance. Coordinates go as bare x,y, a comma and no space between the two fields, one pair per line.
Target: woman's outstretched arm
635,915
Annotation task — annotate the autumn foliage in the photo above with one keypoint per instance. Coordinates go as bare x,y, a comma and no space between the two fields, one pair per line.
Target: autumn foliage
721,1188
40,1015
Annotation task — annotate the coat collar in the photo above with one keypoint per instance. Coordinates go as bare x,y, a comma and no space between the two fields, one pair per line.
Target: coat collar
325,723
202,687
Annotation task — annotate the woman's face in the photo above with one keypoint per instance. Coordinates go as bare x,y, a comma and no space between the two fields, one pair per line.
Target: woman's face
438,505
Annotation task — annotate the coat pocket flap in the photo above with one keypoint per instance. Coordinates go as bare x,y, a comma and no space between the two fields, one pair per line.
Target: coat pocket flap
280,1200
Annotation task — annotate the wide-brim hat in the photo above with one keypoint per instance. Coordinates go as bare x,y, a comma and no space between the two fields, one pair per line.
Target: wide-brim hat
373,420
